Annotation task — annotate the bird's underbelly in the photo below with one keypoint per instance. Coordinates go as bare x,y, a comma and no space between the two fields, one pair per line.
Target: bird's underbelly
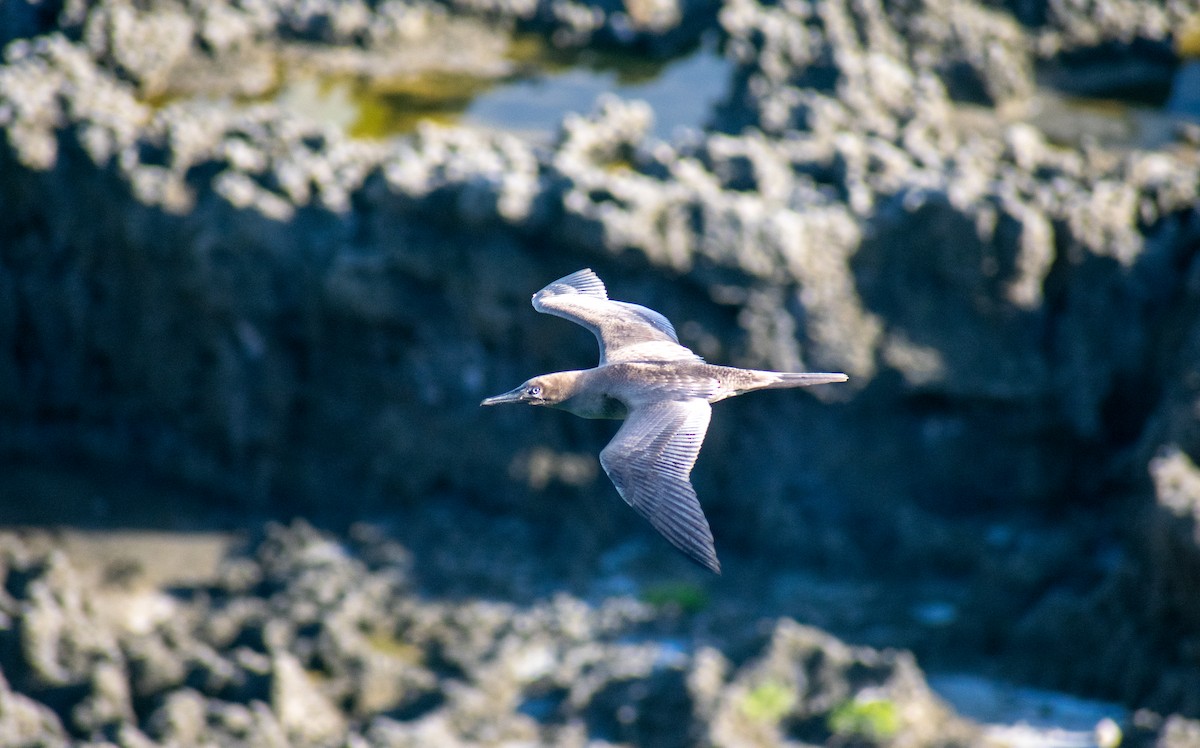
596,405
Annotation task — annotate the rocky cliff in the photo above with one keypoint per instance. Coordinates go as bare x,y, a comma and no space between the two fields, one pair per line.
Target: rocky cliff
281,319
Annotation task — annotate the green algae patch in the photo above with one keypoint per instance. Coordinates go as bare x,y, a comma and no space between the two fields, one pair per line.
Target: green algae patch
534,53
871,719
390,646
768,702
391,107
1187,38
683,596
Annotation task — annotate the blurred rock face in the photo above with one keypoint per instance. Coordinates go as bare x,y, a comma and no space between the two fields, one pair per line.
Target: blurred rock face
291,320
306,642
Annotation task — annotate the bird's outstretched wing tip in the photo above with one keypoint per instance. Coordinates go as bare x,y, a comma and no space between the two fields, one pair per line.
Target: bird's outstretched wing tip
702,552
712,563
694,544
697,547
582,281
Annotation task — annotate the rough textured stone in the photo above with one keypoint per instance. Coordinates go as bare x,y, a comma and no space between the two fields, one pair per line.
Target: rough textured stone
557,671
282,319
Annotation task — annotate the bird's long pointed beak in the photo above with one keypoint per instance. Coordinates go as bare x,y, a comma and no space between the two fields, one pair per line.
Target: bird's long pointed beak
512,396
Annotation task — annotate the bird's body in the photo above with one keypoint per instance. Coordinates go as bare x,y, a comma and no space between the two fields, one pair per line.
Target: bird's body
661,389
612,390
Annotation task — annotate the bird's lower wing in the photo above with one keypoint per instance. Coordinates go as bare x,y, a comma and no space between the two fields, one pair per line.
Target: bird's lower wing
650,462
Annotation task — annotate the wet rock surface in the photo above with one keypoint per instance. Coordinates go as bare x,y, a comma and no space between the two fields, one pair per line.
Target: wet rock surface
268,317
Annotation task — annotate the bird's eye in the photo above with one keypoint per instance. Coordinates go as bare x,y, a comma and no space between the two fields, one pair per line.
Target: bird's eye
534,391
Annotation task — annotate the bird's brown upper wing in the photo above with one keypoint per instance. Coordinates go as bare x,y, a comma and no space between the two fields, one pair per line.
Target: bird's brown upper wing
626,332
650,462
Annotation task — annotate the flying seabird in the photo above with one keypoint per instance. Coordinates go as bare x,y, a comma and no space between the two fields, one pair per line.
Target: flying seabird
661,389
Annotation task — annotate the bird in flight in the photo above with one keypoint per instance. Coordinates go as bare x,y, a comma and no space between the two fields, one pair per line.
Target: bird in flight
661,389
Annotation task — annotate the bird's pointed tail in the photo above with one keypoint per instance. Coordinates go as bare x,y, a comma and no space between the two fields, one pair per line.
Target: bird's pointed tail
781,379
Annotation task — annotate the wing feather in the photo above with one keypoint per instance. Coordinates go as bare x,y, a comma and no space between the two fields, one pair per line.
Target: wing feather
650,462
625,331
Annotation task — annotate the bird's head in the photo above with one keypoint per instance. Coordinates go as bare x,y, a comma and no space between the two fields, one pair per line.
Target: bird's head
548,389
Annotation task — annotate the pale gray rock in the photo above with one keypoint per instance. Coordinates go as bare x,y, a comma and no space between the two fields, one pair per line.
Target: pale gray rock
1178,732
304,712
25,721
